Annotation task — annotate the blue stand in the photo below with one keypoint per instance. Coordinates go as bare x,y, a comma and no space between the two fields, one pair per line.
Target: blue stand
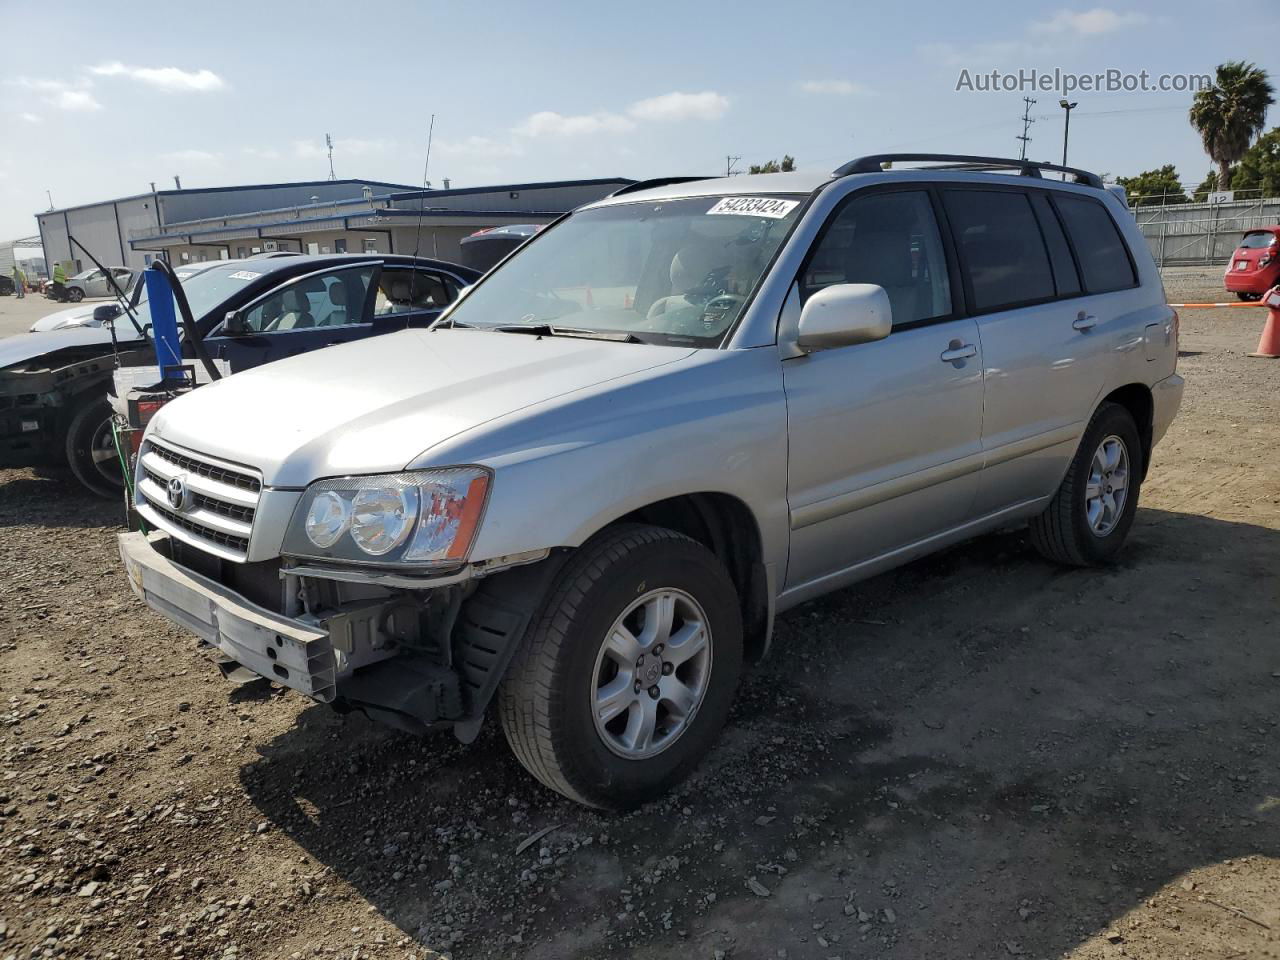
164,322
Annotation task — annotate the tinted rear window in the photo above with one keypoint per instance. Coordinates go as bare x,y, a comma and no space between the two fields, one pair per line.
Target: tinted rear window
1104,258
1257,241
1001,250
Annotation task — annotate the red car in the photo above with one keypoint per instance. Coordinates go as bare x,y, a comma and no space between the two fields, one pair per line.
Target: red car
1255,266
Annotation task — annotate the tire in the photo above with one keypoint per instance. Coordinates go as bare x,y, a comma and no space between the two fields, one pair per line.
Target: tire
549,698
1067,532
91,450
75,294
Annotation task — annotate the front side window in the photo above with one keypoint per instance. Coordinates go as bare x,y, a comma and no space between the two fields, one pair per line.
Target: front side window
1104,259
889,239
327,300
668,271
1001,249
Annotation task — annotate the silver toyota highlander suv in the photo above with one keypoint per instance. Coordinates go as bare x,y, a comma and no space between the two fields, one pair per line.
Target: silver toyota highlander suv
590,488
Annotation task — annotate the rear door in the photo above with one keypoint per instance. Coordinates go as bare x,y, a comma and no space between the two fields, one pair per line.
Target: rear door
884,437
411,297
306,313
1045,338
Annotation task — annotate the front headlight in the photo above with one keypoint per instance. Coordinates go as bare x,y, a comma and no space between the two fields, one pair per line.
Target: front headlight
424,518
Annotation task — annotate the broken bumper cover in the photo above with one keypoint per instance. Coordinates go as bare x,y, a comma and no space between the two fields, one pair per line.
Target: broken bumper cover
294,654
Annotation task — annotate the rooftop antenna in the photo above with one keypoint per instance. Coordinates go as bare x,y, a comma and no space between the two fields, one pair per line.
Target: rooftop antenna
177,182
1027,121
422,201
49,194
328,142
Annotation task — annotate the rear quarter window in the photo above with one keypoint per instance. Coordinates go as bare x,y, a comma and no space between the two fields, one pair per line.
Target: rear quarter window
1105,263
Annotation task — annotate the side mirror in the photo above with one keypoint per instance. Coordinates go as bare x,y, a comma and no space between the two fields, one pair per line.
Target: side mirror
105,313
234,325
844,314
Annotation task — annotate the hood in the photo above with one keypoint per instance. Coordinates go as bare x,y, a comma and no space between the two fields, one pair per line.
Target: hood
375,405
29,346
52,320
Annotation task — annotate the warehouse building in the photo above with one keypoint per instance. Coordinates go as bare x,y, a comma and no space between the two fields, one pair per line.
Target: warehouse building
325,216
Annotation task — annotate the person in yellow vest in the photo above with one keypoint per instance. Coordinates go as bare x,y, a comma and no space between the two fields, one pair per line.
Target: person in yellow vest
19,282
59,282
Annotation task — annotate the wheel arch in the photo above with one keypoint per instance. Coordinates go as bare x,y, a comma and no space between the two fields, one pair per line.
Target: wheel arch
726,526
1137,399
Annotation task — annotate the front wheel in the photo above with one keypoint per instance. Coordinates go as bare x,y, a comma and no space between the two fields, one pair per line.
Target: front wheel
1089,517
91,449
626,677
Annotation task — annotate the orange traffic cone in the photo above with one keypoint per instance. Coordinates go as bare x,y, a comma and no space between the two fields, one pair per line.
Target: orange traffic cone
1269,342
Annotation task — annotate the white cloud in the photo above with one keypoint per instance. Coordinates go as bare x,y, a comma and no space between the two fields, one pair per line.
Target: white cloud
30,118
192,156
475,147
549,123
315,149
77,100
707,105
1088,23
269,153
838,88
173,79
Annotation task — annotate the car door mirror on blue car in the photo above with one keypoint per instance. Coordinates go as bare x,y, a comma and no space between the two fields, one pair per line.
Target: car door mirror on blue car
234,324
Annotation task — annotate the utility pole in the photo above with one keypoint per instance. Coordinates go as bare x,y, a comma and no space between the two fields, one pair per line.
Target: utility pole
1066,130
49,194
728,165
1027,121
328,142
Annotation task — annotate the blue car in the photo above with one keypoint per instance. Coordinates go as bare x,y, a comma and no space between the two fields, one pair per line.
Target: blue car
53,386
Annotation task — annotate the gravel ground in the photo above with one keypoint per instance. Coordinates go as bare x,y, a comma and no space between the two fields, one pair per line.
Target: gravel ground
979,755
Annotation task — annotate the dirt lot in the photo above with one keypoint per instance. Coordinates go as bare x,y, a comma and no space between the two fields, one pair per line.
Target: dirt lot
980,755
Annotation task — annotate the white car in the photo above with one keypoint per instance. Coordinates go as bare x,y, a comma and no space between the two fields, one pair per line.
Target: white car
81,315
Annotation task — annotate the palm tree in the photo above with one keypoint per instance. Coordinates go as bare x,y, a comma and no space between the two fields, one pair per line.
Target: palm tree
1231,113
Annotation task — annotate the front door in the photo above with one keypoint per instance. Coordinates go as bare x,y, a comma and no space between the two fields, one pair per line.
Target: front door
306,313
885,437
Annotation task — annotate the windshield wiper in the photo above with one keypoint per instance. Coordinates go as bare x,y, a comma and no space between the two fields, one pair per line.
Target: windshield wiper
549,330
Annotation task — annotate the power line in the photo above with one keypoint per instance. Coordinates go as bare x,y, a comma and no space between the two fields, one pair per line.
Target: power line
1027,121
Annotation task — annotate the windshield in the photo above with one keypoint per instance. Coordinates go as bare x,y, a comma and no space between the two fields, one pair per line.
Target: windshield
1257,241
204,290
671,271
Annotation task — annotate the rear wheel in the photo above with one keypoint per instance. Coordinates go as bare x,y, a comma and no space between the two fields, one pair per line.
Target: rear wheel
1089,517
75,294
627,675
1249,297
91,449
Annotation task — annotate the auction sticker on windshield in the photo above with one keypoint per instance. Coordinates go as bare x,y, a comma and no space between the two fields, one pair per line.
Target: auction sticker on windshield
244,275
770,207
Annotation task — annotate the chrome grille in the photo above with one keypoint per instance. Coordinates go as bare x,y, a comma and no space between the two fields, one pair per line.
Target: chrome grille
215,513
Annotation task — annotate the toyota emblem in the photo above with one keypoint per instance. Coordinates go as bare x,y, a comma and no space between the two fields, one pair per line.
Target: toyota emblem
177,492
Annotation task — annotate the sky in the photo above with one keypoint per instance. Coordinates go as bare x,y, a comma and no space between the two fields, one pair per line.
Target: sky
230,92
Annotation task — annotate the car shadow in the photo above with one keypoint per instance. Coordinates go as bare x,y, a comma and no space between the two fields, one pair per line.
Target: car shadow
978,754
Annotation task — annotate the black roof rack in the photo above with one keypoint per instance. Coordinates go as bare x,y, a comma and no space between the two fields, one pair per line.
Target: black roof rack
655,182
954,161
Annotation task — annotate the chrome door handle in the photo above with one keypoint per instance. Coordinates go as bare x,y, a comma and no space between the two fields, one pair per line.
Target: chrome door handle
958,351
1084,321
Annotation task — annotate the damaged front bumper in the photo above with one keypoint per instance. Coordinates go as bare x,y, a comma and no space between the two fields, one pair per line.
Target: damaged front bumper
415,659
291,652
